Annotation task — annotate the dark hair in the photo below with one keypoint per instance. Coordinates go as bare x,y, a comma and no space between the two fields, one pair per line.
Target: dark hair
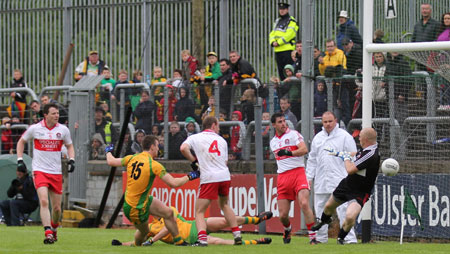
285,98
48,106
158,127
35,101
442,28
179,71
146,92
274,117
208,122
148,141
225,60
298,42
100,109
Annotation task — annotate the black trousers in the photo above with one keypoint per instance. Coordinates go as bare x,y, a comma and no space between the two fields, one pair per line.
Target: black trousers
12,209
282,59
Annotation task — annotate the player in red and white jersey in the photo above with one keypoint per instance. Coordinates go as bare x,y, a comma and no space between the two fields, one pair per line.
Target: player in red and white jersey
212,156
289,148
48,139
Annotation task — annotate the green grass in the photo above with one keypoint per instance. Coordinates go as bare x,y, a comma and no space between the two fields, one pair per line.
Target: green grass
73,240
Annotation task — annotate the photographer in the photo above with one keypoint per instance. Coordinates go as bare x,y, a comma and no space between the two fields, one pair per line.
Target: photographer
26,200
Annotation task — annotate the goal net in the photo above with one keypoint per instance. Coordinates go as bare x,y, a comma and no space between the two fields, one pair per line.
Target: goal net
413,128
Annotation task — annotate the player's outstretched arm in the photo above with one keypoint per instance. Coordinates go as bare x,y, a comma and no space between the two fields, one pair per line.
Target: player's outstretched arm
161,234
110,159
174,182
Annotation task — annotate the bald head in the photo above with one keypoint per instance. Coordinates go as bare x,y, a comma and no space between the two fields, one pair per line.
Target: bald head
368,137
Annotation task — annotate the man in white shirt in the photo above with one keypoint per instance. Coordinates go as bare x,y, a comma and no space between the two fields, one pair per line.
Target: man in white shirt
327,171
49,137
289,148
212,156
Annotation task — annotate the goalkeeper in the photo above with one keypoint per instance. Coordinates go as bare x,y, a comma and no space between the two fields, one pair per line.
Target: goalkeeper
141,172
327,171
188,230
357,187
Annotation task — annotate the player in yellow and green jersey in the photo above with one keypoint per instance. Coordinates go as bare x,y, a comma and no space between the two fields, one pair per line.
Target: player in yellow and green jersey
139,204
188,230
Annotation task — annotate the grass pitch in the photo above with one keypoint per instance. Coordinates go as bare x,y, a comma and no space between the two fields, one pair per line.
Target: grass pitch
29,239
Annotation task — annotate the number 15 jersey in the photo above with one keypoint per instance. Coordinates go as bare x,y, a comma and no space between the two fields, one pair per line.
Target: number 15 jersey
212,155
141,172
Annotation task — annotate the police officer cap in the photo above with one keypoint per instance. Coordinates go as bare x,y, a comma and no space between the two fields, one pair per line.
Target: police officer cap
283,5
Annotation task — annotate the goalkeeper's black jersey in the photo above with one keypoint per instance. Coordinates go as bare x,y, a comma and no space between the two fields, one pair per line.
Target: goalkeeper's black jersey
368,164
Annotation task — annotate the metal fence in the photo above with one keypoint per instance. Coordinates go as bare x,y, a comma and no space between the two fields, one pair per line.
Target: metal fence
140,34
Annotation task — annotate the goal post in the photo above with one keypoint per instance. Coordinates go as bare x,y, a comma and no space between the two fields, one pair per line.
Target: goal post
422,165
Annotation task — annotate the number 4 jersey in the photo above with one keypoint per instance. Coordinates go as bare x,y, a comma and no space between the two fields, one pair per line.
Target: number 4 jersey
141,172
212,155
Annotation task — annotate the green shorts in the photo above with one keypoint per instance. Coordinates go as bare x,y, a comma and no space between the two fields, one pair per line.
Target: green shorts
138,216
193,234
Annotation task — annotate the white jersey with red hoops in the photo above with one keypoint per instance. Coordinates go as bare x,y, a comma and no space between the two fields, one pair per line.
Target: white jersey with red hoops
212,155
47,146
288,141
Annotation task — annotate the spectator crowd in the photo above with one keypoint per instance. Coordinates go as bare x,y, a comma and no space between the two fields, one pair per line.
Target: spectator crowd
191,95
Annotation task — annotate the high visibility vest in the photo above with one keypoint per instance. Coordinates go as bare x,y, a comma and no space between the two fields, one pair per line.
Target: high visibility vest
108,133
284,34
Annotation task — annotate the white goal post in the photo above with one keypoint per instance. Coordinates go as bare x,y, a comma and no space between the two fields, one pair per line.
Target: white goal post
408,47
434,55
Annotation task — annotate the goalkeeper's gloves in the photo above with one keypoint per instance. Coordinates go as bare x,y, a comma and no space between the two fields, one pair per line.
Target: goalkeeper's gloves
284,152
193,175
21,165
194,165
71,165
341,154
109,149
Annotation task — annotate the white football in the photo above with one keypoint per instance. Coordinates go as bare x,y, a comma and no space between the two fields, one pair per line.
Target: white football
390,167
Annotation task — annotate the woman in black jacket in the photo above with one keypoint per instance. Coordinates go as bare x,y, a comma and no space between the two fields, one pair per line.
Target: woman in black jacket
184,106
144,113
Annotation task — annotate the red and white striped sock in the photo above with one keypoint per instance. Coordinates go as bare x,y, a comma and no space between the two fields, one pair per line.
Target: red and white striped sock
236,232
202,237
312,234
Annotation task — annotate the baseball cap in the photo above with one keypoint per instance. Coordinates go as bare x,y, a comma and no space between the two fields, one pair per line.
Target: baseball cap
93,52
345,41
343,14
211,53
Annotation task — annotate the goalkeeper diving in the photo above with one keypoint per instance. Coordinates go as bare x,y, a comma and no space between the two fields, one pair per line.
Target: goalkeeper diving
357,187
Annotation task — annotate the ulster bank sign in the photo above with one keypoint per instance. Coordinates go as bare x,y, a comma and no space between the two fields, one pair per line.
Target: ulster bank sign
430,194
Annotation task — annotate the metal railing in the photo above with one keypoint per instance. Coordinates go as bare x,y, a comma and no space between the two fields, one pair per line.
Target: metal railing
121,29
121,88
17,127
20,89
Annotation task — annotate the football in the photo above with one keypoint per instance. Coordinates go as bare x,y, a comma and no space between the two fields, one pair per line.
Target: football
390,167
